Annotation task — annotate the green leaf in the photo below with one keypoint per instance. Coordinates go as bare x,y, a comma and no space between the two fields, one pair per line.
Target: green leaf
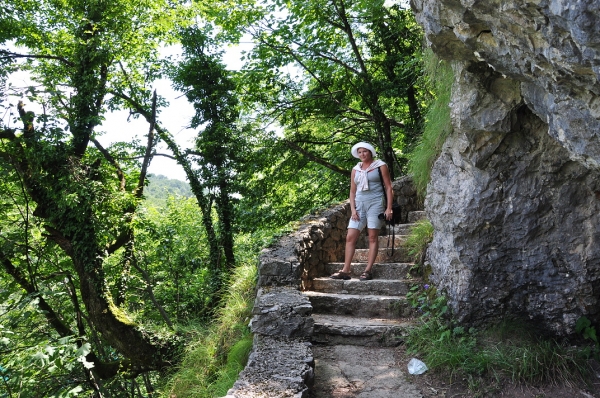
84,349
582,323
40,357
590,333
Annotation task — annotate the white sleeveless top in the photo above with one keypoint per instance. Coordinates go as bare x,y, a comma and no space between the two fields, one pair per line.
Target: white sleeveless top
372,188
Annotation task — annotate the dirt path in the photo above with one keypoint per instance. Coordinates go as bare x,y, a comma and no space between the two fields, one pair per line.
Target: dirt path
346,371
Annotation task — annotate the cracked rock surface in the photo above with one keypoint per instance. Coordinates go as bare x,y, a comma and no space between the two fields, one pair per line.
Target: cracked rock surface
514,196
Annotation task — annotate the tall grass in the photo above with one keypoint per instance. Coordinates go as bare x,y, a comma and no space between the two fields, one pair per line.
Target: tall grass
418,239
505,353
212,362
437,121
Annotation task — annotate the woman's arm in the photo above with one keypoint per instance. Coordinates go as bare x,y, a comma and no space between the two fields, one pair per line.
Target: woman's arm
389,192
354,215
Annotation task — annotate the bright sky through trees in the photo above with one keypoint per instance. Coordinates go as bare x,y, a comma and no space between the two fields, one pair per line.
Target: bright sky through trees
119,126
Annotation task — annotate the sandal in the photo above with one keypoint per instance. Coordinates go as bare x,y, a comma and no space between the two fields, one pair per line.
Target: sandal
366,276
341,275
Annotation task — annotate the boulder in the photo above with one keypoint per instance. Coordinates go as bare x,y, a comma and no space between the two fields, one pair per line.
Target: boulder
514,197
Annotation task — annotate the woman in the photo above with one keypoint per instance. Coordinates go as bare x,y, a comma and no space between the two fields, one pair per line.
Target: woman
367,203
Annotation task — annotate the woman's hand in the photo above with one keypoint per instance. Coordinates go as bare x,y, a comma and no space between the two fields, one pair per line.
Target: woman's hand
388,214
355,216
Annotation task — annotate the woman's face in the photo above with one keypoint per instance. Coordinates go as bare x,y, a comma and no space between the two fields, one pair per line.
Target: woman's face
364,154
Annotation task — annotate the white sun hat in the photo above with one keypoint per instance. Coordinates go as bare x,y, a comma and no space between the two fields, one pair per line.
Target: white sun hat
365,145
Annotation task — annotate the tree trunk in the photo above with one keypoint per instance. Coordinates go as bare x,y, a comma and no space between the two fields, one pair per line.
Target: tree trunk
226,219
143,351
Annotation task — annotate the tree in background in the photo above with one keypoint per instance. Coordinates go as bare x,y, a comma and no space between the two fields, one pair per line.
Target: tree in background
336,72
220,141
68,202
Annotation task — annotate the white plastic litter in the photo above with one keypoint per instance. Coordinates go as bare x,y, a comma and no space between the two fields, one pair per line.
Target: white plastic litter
416,367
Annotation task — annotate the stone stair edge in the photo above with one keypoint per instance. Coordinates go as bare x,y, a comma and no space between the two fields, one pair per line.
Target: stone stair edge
391,263
382,287
361,305
336,319
356,280
388,270
332,329
312,293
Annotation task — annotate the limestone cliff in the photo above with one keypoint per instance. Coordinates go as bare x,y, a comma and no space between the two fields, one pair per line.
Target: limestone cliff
515,195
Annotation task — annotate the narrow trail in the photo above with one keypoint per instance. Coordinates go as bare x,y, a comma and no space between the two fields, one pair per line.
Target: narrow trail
359,324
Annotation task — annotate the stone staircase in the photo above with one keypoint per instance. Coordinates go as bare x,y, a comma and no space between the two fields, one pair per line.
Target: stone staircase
353,325
372,313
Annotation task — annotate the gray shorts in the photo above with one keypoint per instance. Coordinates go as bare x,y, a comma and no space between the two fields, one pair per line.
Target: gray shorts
368,212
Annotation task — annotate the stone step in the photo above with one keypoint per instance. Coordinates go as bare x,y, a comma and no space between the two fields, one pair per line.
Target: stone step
414,216
384,255
400,229
385,241
384,287
400,233
380,270
368,332
359,305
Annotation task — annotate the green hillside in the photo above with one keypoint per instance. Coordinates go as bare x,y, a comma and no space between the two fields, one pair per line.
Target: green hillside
160,188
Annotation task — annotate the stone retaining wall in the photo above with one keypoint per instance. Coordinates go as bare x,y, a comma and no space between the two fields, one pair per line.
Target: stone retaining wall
281,363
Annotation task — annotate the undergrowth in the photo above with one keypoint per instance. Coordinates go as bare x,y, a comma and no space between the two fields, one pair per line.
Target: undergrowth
213,361
219,351
508,352
437,121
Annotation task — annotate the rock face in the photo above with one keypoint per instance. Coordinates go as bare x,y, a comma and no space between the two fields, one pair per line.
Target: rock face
515,195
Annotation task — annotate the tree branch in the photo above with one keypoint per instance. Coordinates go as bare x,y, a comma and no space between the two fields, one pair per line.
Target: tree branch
112,161
119,242
150,292
316,159
347,29
27,119
10,55
149,146
329,58
296,57
166,155
51,316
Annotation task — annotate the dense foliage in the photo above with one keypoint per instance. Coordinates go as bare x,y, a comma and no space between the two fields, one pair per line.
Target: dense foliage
329,74
106,272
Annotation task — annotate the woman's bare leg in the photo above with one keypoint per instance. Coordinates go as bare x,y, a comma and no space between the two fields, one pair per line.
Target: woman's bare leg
351,239
373,248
